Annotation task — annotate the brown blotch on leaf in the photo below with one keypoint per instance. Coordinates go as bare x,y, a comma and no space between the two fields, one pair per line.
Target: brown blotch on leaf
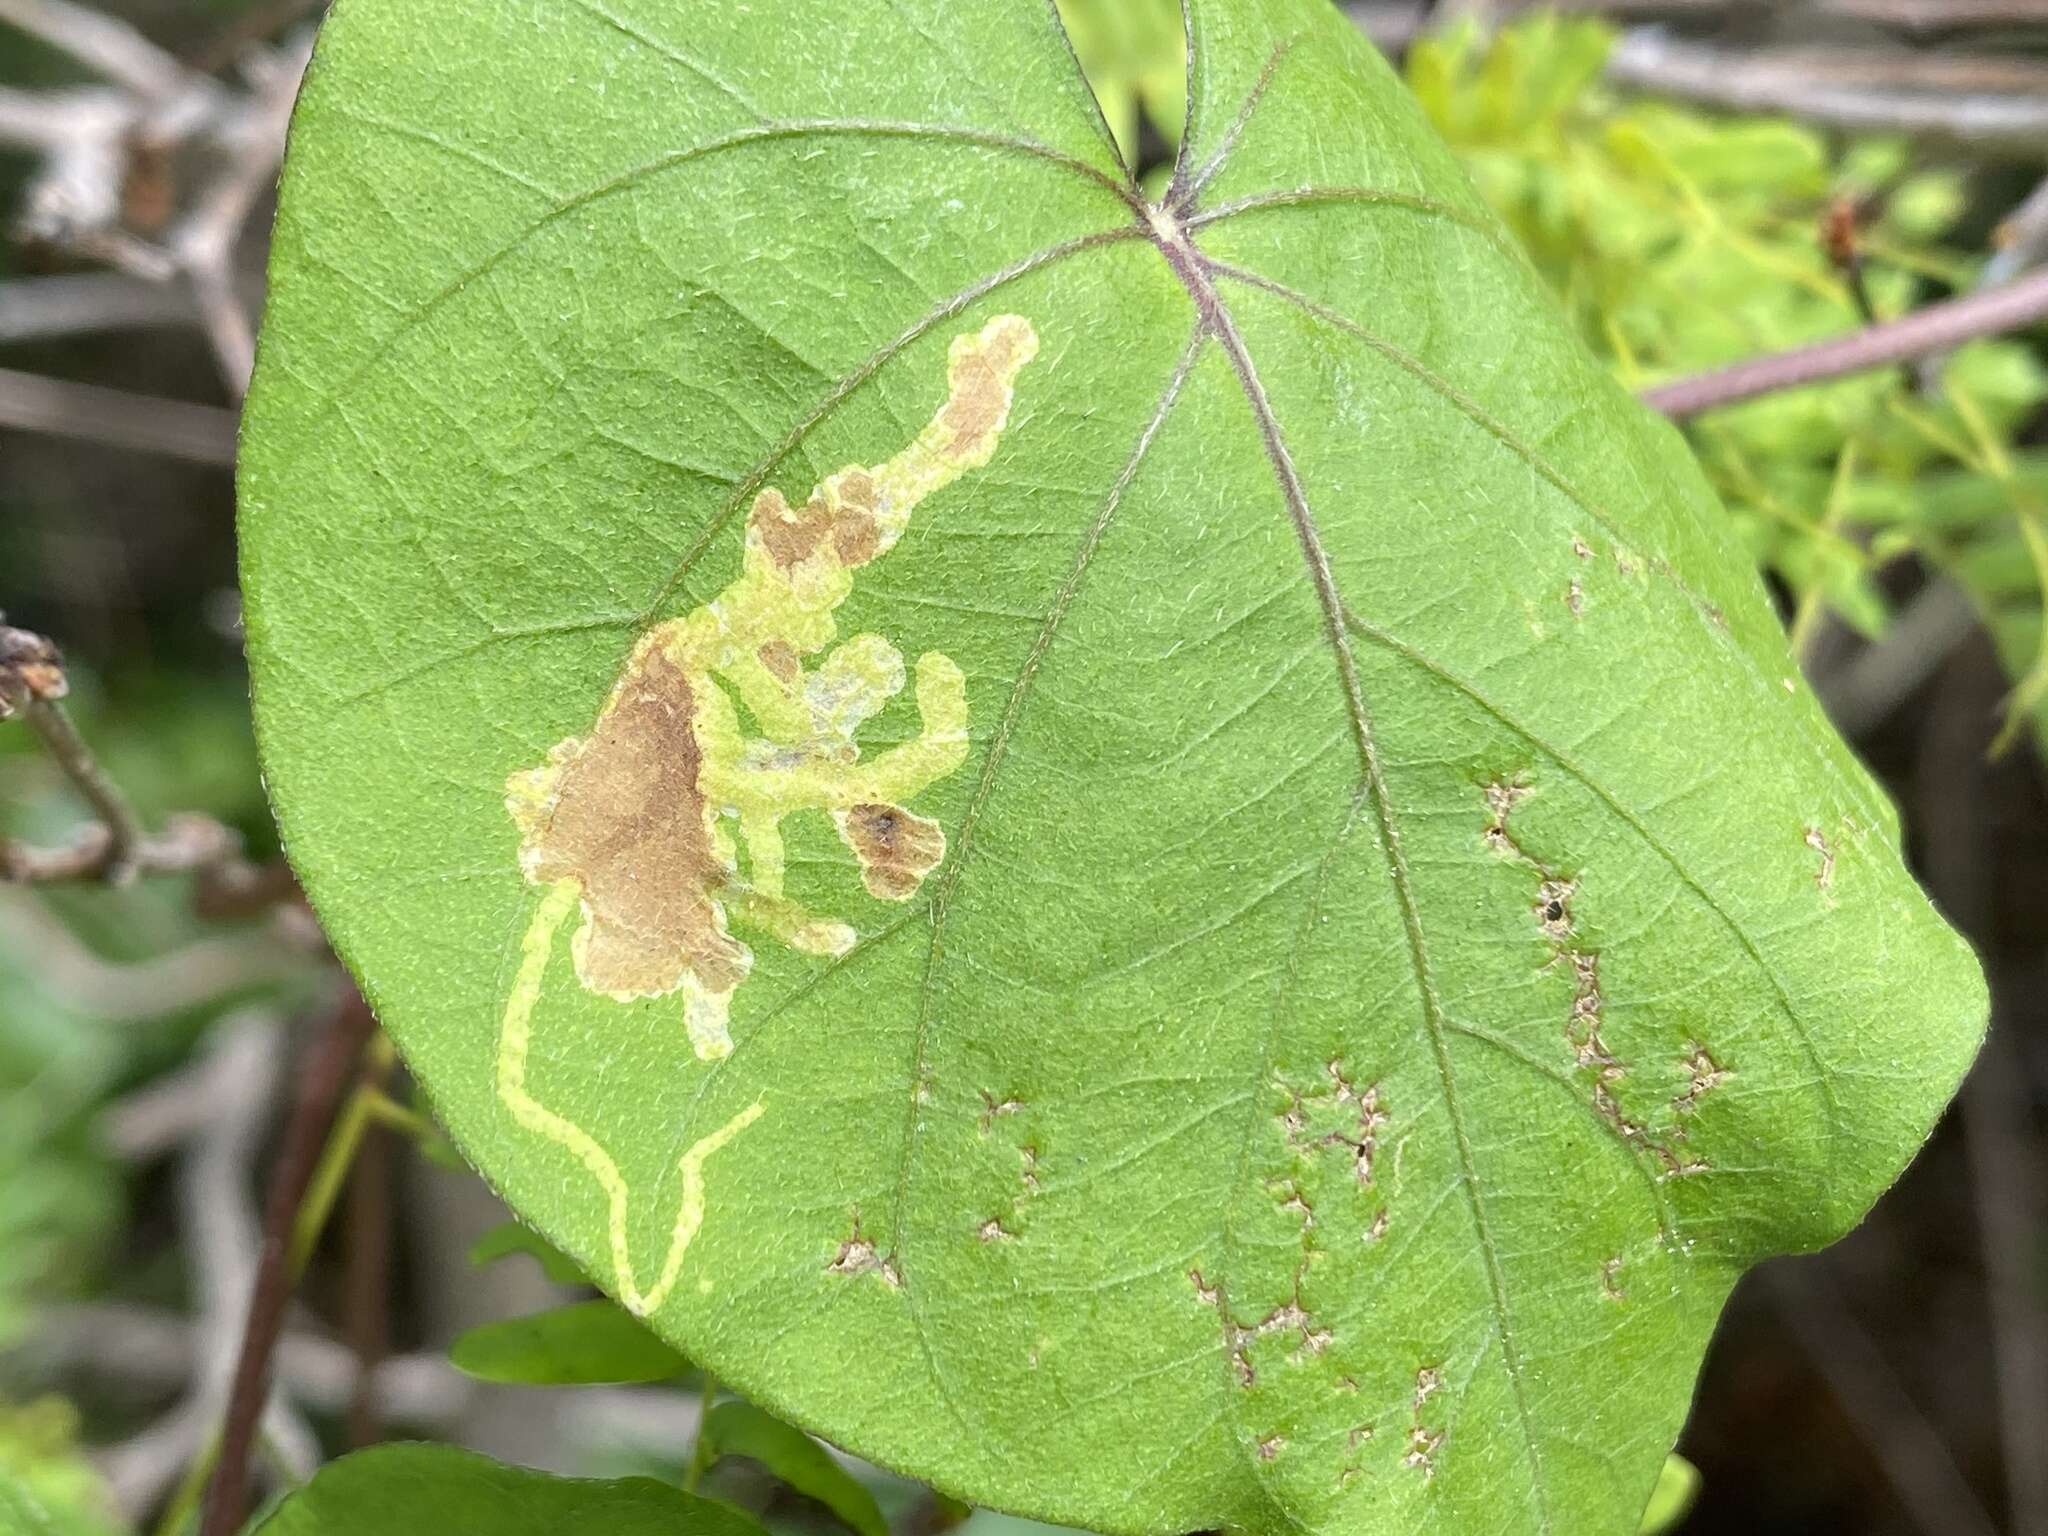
856,534
626,821
980,392
790,537
856,537
781,659
896,848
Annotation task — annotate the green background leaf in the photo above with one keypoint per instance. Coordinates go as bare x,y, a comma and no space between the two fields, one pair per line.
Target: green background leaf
399,1490
583,1343
512,1238
735,1428
1406,939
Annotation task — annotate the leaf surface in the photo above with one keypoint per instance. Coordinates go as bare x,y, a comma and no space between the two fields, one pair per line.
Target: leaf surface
1154,862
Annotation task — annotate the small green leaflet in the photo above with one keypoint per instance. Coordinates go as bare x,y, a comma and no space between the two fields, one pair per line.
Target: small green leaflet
735,1428
514,1238
400,1490
1150,861
579,1344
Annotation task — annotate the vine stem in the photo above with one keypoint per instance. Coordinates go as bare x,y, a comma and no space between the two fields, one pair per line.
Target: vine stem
700,1448
1992,312
319,1143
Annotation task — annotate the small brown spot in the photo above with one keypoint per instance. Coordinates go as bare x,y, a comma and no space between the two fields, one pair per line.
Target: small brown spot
1423,1442
1825,878
782,661
1582,549
1359,1436
626,820
1707,1075
1610,1280
1030,1175
1422,1448
896,848
856,537
1271,1447
789,537
1294,1200
1502,796
1378,1229
858,1256
855,489
993,1231
1575,599
1554,907
991,1110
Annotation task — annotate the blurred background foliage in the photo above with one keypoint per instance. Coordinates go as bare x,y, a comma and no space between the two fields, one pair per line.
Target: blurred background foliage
1901,517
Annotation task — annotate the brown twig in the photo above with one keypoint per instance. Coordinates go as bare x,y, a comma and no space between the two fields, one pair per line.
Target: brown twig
102,44
330,1064
203,434
1943,15
1910,1452
86,303
1892,94
116,848
109,185
1992,312
2005,1183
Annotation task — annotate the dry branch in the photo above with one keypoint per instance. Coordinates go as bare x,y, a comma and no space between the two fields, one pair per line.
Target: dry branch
2002,121
203,434
330,1064
102,146
1943,15
115,848
1934,329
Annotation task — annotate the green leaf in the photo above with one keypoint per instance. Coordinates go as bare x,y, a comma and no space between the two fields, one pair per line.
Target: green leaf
1134,54
1303,929
514,1237
47,1487
1678,1487
735,1428
584,1343
399,1490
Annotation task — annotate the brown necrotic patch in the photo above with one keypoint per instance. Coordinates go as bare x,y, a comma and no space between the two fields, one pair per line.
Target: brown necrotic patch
896,849
980,398
790,536
624,818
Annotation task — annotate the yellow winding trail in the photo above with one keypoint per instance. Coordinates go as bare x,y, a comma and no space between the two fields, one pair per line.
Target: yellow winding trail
515,1036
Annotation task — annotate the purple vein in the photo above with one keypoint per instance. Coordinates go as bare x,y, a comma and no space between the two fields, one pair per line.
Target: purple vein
992,760
1195,272
742,138
1382,197
1180,197
981,288
941,898
1499,430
